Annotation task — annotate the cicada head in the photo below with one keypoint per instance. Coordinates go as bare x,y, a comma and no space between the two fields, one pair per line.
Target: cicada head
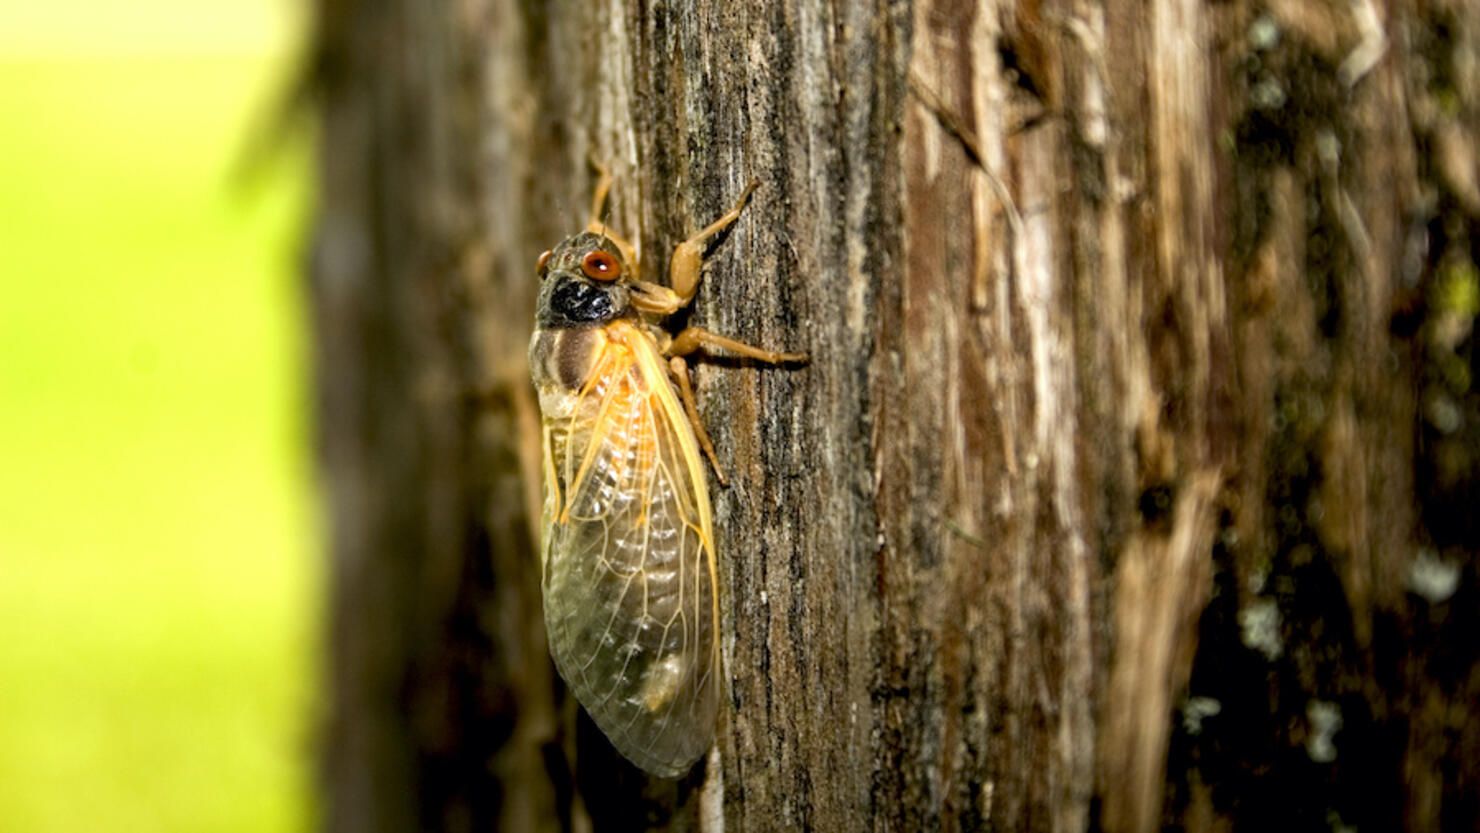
584,282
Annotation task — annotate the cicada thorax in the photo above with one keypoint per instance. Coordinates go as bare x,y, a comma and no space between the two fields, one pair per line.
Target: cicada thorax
627,567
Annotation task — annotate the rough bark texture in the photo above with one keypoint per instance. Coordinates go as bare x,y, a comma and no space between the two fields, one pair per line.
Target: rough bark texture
1132,483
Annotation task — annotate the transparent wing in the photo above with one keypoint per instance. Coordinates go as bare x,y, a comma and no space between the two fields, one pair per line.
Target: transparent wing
628,570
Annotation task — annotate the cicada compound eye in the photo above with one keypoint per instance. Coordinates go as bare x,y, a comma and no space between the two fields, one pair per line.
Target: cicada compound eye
544,260
601,266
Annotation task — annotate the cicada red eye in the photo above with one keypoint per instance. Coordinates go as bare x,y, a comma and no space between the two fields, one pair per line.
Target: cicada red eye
601,266
544,259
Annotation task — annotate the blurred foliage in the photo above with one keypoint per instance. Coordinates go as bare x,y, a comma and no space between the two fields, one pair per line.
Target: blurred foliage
159,575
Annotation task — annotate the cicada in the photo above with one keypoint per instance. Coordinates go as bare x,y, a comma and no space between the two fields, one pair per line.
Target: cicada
627,570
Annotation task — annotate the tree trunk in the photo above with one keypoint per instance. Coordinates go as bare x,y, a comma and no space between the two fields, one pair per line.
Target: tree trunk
1132,483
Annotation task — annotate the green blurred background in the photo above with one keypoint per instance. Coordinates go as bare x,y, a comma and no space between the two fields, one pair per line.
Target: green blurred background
159,569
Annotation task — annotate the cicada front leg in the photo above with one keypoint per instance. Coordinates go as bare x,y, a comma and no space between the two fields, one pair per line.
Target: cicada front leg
688,256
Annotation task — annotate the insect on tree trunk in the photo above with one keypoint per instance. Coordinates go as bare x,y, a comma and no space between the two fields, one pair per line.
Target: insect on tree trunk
1132,482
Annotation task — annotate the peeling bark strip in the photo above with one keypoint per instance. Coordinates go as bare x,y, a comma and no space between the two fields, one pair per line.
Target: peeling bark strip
1131,484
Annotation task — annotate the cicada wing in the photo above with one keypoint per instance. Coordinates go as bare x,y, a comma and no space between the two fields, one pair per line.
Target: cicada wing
628,569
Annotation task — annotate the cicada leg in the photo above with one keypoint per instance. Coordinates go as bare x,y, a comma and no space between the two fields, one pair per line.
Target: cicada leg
683,273
680,369
598,225
688,256
690,340
599,194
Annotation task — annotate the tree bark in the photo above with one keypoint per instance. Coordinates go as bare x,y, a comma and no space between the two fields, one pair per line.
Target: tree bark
1132,483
